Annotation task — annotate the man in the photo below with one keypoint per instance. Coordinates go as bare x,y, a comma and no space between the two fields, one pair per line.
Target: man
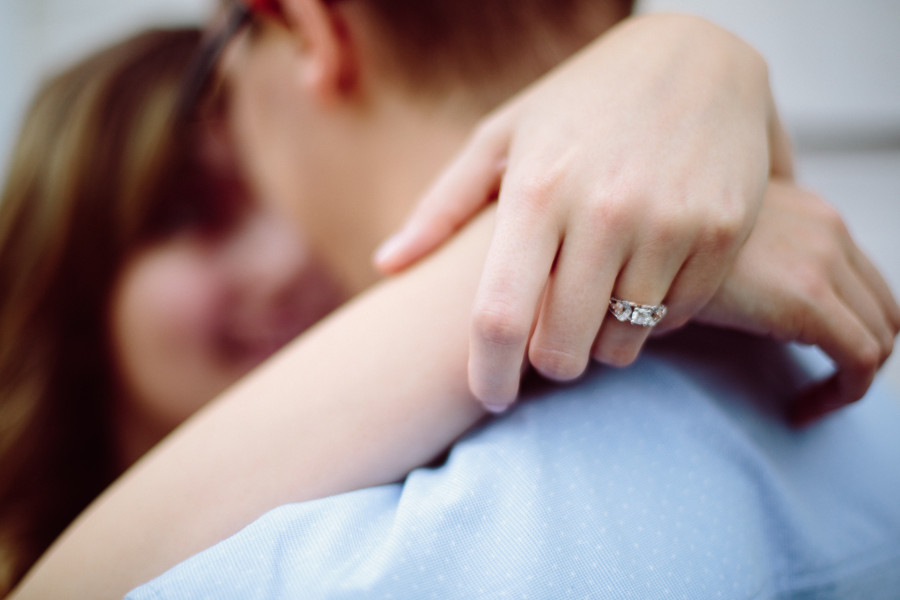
349,132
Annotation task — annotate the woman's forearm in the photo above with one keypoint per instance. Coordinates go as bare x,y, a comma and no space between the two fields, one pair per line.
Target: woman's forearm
370,393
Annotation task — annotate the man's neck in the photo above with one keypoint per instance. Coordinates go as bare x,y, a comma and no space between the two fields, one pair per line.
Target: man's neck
403,153
401,143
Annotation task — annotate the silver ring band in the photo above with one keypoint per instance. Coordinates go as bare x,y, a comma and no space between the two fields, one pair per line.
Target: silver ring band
645,315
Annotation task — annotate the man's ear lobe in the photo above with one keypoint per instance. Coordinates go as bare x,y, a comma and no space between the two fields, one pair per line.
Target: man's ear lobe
329,62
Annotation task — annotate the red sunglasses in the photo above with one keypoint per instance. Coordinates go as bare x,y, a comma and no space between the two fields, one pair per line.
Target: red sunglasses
203,66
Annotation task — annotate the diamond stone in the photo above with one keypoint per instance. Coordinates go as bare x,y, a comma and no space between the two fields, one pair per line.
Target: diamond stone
643,315
621,310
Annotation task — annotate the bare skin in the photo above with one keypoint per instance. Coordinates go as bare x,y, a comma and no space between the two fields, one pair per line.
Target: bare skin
308,414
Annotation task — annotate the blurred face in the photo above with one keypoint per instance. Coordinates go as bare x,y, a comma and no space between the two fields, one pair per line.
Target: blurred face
229,283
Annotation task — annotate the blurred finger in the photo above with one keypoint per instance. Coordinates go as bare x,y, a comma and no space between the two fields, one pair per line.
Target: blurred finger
873,278
839,332
858,295
471,180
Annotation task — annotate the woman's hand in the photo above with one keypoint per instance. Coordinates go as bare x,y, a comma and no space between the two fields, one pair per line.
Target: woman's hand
800,277
635,170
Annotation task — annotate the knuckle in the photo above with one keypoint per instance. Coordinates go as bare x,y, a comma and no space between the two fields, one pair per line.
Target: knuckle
499,325
559,365
831,216
540,191
621,201
536,194
727,229
797,319
611,213
599,212
811,283
719,228
667,228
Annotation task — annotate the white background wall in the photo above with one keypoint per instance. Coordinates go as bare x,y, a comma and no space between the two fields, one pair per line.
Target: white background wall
835,68
832,61
835,64
36,36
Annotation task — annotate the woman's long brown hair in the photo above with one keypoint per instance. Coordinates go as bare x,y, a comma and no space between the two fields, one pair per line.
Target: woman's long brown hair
92,159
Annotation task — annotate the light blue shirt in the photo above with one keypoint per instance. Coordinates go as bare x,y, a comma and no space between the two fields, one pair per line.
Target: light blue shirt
674,478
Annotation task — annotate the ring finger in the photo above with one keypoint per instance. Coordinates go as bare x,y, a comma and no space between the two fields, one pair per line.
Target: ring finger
643,283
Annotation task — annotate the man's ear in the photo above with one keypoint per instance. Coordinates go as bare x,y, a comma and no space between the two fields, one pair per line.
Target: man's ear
329,65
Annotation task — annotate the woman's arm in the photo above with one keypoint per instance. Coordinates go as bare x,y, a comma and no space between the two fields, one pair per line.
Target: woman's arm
371,392
636,169
801,278
380,387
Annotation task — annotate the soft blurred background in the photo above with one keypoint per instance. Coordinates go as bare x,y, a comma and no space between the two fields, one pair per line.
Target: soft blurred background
835,69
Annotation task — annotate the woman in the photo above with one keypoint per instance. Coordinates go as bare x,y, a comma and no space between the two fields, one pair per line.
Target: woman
328,430
140,280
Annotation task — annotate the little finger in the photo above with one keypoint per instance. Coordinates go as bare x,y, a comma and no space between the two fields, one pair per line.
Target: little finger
871,275
862,300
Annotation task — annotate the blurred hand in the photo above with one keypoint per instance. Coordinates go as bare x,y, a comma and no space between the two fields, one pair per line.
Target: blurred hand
800,277
635,170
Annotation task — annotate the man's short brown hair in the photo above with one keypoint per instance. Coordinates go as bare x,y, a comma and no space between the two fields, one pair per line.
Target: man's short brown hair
436,45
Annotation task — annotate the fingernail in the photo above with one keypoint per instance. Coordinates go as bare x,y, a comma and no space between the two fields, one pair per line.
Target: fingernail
390,247
496,408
